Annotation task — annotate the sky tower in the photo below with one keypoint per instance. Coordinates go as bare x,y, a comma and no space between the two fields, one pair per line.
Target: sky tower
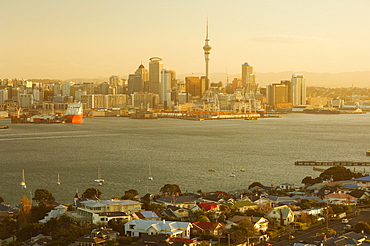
207,48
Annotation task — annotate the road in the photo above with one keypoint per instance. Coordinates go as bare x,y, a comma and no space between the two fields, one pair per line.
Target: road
305,236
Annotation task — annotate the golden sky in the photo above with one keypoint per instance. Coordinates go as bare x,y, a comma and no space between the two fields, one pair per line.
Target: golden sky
89,38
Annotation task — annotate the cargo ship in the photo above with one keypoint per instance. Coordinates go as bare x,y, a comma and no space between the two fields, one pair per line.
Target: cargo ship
74,113
37,118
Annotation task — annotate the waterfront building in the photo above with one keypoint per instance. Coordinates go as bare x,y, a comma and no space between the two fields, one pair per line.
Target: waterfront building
168,76
25,100
93,101
155,68
297,90
144,100
207,55
116,100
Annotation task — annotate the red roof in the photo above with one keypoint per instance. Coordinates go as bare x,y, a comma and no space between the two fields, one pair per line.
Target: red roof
206,226
185,240
208,205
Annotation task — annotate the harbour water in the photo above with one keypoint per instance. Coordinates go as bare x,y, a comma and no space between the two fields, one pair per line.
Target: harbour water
178,151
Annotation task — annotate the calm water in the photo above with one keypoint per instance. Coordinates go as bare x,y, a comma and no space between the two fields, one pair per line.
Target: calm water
178,151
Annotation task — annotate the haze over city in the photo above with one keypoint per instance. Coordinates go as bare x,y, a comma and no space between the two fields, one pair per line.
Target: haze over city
88,39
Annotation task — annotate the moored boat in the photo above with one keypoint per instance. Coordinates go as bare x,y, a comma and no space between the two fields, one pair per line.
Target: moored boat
74,113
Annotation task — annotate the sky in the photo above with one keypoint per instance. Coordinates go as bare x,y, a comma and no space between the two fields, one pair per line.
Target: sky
64,39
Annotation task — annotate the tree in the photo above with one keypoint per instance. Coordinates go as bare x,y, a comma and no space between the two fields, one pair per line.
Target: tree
91,193
328,231
24,215
170,189
255,184
307,181
1,199
362,226
130,194
42,196
339,173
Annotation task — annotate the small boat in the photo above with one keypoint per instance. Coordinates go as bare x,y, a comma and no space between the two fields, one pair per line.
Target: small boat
368,152
4,127
150,177
242,170
23,182
99,180
232,175
212,170
58,180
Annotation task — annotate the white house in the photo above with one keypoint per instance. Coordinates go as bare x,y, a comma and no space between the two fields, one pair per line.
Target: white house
171,228
55,213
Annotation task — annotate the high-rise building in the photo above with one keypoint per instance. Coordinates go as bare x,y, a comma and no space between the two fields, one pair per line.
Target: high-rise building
248,78
143,72
66,89
3,96
115,80
155,69
207,55
135,84
193,86
298,90
168,76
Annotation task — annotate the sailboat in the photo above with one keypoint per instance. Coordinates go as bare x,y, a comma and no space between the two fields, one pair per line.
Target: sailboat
99,180
58,181
150,177
232,174
23,182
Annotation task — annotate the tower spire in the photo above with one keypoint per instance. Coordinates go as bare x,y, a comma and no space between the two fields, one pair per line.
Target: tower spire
207,48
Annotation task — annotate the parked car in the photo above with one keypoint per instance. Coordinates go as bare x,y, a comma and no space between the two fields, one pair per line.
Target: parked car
347,227
344,221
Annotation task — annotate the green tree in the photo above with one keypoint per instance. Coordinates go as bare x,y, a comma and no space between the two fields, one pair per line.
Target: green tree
170,189
339,173
307,181
243,232
130,194
43,196
362,226
328,232
1,200
91,193
255,184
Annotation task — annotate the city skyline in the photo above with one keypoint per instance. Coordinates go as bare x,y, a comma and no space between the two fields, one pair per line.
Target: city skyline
52,39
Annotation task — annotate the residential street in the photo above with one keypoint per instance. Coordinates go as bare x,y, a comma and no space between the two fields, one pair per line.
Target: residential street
306,235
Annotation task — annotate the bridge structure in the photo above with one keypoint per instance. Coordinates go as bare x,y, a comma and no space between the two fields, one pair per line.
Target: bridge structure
332,163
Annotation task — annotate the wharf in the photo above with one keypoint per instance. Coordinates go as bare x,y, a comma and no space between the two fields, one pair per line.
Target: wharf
331,163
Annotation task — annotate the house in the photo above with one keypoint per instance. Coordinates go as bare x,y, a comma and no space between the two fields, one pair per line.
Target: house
177,201
146,215
363,182
361,195
282,214
281,200
136,228
163,240
101,211
207,206
260,224
243,206
97,237
55,213
40,239
207,228
340,198
6,210
176,212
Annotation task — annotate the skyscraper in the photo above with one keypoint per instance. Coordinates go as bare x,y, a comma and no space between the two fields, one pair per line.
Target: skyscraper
248,78
165,93
207,54
155,68
298,90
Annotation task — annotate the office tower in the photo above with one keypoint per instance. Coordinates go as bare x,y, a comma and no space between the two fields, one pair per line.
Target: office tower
115,80
66,89
207,55
143,72
193,86
168,76
3,96
135,84
25,100
155,69
277,95
298,90
248,78
57,90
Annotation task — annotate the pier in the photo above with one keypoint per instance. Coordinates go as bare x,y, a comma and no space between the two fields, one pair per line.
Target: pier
331,163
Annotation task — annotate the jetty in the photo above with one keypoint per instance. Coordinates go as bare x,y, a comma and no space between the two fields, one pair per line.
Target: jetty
331,163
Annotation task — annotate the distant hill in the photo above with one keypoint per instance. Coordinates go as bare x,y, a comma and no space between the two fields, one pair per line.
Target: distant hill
346,79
